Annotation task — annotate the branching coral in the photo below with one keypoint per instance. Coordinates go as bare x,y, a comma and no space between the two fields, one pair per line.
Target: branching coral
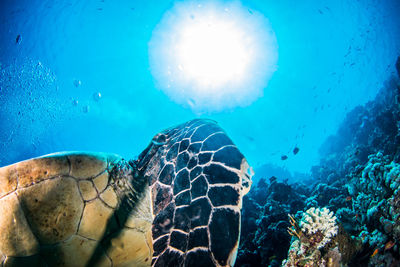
315,231
319,225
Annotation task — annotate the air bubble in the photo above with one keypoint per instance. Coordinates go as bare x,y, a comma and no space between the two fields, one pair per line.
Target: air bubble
97,96
77,83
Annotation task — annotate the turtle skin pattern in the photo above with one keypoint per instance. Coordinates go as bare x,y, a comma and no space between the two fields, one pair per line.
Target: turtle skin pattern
197,178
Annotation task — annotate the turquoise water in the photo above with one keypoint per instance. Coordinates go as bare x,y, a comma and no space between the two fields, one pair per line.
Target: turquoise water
79,77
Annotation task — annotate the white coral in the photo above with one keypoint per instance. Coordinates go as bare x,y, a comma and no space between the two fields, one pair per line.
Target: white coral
321,221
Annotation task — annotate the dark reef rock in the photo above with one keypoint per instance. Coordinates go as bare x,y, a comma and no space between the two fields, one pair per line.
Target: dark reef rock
264,237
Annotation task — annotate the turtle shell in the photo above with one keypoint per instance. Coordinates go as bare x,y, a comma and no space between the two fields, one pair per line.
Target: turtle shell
61,210
197,179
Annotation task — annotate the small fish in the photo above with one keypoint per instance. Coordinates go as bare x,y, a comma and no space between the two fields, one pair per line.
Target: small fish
284,157
86,109
296,150
18,39
349,198
374,253
251,139
389,245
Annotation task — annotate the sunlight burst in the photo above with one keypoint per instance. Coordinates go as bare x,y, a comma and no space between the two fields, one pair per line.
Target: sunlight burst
212,56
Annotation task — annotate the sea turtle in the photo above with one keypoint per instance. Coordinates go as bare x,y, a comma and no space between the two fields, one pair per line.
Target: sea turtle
178,204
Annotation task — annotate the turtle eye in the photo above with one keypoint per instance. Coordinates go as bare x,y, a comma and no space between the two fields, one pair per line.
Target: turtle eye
159,139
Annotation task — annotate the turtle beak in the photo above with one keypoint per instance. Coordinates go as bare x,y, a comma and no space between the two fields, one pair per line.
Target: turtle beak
246,173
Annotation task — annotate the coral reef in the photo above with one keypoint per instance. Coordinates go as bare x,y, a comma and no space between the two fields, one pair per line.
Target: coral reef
358,183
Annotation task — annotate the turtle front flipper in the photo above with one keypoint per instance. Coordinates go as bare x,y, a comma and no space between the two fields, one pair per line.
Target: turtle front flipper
197,180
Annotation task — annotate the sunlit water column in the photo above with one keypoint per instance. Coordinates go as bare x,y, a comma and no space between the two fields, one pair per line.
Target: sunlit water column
212,56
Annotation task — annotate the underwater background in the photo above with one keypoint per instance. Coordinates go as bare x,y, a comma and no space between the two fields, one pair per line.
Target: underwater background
319,123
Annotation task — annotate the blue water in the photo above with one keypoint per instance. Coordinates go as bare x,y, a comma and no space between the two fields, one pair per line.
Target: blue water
332,56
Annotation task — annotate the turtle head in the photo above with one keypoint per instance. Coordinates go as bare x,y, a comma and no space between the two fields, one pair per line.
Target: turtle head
197,178
246,173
